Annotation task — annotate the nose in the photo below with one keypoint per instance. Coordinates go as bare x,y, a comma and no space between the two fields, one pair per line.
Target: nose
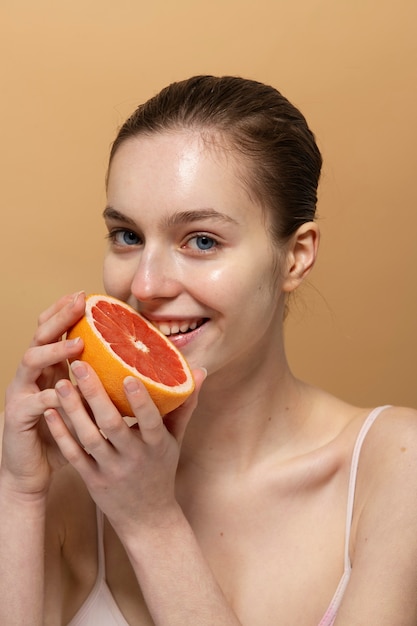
157,275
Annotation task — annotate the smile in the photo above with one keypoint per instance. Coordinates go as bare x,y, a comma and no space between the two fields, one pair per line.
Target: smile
175,327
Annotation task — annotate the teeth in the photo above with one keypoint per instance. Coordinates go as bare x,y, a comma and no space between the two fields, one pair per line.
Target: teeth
173,328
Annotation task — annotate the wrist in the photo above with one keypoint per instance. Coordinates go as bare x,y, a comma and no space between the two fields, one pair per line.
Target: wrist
11,495
147,535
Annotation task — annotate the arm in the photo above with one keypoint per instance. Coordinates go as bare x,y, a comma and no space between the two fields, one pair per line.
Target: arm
176,581
29,457
131,476
22,528
21,523
383,586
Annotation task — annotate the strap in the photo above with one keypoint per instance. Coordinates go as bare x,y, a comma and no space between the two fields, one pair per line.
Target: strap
353,474
101,565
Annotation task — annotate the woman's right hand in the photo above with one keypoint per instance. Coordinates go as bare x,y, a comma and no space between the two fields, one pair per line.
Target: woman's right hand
29,453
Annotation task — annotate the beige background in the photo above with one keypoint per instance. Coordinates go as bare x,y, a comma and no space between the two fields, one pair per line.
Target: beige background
72,70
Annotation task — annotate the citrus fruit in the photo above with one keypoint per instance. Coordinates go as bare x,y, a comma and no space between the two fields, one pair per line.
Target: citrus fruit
119,342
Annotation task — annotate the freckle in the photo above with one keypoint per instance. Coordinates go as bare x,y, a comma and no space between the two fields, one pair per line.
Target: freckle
221,534
403,449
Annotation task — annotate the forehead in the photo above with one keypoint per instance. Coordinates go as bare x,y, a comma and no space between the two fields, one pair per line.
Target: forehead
177,167
179,151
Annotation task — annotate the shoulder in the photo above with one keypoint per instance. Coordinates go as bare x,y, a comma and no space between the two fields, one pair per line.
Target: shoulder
386,490
383,542
393,434
383,428
389,450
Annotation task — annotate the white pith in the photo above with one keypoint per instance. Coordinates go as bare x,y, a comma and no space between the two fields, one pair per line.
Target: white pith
141,346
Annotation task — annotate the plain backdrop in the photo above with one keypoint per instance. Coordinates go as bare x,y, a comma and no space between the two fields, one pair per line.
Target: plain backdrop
72,70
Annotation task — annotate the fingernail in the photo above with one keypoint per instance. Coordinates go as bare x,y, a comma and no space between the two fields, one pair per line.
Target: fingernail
131,384
79,369
49,415
73,342
75,297
203,369
63,388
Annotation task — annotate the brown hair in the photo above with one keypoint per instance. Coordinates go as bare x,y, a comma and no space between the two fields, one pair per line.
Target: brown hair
271,133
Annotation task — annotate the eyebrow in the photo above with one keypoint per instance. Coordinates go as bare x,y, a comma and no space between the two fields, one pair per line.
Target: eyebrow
182,217
112,214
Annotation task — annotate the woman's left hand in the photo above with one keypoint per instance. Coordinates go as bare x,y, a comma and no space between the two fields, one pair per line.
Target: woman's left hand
129,471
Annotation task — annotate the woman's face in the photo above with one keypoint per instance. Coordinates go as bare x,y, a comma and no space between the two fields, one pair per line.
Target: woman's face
189,249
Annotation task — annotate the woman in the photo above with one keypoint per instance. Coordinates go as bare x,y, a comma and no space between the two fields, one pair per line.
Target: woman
267,501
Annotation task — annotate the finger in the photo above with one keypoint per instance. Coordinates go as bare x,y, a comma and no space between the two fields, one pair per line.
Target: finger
68,446
65,300
177,421
68,300
150,422
37,359
99,404
86,431
56,320
38,403
105,415
20,413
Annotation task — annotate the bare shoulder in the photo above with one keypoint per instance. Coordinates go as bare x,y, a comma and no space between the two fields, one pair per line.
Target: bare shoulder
387,473
394,433
383,545
399,416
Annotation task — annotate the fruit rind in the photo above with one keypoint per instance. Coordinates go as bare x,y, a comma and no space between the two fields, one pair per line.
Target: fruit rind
112,370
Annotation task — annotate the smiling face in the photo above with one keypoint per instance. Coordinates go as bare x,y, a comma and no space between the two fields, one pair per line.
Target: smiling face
190,249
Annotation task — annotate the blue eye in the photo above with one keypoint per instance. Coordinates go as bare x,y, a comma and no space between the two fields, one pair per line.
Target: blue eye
130,238
204,242
123,237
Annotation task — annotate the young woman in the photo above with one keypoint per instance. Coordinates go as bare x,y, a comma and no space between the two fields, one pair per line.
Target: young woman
263,502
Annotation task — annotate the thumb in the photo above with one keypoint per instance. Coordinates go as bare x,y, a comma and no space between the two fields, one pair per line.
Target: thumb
176,422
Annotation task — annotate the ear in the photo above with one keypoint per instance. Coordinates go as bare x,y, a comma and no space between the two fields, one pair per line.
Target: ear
301,255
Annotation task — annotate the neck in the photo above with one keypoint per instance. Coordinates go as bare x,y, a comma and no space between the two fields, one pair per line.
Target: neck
241,417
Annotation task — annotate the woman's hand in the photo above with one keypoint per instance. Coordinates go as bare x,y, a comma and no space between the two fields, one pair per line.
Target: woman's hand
129,471
29,452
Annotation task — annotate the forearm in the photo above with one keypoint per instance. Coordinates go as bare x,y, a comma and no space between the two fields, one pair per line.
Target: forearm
178,586
22,532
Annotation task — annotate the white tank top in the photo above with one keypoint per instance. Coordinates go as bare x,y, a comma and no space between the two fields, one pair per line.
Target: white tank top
100,608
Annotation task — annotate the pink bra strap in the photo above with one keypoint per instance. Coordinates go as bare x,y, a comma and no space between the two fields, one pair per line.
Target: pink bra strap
353,473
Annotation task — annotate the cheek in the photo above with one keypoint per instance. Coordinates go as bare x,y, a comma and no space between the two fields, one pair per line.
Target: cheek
242,287
216,282
223,288
116,278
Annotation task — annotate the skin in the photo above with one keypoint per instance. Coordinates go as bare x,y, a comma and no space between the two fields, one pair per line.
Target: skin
211,514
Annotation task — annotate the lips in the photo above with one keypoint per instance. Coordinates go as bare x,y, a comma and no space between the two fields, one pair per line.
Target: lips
177,327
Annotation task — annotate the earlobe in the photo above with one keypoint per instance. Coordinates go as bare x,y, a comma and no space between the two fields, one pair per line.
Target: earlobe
301,255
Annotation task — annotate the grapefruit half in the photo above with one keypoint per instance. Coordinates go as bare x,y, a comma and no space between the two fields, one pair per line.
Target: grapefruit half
119,342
